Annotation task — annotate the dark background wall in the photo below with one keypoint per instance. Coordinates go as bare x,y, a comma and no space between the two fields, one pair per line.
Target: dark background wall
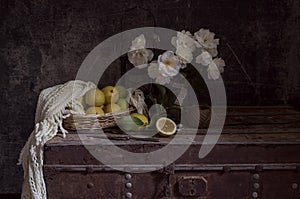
43,43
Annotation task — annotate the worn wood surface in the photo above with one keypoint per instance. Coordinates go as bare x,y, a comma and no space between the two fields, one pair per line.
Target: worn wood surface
241,153
243,126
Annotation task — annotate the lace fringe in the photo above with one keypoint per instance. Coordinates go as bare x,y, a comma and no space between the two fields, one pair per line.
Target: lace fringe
49,117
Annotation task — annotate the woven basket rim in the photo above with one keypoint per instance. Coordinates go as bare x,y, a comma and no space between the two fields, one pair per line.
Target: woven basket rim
102,115
82,121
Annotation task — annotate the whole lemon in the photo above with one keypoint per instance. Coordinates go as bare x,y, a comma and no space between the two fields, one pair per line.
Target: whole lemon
111,94
94,97
122,91
122,103
80,100
109,108
94,110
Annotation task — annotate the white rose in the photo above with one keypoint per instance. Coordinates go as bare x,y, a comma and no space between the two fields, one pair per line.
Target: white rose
185,45
204,58
153,72
185,54
206,39
168,64
212,51
138,43
213,71
185,40
139,58
220,64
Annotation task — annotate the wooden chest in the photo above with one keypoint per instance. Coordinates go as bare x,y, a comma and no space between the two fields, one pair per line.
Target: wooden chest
257,156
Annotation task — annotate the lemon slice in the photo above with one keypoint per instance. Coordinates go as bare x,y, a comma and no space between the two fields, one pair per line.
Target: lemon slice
165,126
139,119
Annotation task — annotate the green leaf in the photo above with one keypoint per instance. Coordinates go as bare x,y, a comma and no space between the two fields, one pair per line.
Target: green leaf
183,74
137,121
162,90
153,99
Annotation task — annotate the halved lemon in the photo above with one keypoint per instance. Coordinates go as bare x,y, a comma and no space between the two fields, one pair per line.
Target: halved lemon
139,119
166,126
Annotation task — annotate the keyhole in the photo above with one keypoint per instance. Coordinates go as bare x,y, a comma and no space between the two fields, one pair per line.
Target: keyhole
192,192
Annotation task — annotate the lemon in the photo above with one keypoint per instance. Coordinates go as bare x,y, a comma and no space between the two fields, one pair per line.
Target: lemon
123,104
109,108
134,122
94,97
140,119
94,110
80,100
122,91
165,126
111,94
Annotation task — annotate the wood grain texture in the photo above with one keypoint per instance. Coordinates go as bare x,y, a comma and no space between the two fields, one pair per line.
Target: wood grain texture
249,155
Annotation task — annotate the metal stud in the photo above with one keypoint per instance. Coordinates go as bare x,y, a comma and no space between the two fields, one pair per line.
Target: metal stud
128,185
256,185
90,185
128,195
256,176
254,195
294,186
128,176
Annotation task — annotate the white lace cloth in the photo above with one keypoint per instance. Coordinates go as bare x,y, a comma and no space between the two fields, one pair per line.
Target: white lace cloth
48,120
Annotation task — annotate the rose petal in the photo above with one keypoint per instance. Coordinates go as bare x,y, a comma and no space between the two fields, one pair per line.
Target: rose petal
220,64
185,54
204,58
153,70
140,57
213,71
206,39
138,43
153,73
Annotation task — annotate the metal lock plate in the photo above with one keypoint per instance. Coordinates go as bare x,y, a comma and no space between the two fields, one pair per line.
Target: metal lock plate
192,186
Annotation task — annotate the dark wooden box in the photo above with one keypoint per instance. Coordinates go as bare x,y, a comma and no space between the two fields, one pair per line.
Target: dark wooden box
257,156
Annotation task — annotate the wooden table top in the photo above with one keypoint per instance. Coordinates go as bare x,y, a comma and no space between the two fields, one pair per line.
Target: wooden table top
243,125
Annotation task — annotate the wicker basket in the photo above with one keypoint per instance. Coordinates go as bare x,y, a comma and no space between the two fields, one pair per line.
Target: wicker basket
81,122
